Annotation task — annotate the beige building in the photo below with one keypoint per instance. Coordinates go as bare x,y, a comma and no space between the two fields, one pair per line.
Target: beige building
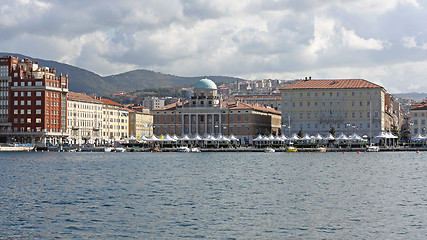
115,121
206,113
140,122
84,118
348,105
419,118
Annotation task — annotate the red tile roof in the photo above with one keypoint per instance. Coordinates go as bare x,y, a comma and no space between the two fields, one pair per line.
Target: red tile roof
332,84
81,97
109,102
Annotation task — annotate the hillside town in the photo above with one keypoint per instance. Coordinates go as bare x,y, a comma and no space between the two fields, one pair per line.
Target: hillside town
37,107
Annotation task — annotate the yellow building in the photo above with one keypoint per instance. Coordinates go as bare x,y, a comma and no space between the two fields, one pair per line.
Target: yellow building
115,121
419,118
84,119
140,121
348,105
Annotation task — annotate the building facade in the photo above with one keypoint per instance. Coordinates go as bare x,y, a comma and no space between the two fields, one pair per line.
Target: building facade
114,122
153,102
265,100
84,119
418,118
140,121
7,64
206,113
347,105
37,104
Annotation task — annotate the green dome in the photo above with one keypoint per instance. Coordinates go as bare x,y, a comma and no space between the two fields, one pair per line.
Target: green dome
205,84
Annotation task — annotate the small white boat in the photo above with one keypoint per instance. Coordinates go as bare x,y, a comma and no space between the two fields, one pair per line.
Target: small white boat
320,149
194,149
269,150
183,149
372,148
109,149
17,148
120,149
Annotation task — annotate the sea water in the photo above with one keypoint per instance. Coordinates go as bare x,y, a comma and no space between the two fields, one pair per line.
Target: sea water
213,195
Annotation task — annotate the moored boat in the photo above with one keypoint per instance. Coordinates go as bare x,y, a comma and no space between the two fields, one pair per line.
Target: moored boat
17,148
320,149
372,148
269,150
291,149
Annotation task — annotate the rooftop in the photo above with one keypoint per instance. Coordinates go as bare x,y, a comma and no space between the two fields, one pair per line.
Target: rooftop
332,84
205,84
81,97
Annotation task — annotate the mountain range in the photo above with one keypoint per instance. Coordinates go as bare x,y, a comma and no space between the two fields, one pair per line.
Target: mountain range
81,80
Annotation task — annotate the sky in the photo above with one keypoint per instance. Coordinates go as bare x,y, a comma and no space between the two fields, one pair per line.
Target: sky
382,41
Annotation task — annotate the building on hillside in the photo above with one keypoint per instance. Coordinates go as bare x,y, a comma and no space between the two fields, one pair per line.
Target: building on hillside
115,121
7,64
418,118
140,121
206,113
266,100
84,119
347,105
153,102
37,103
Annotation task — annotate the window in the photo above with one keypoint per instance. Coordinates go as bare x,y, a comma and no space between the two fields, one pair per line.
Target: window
22,111
28,120
28,94
239,118
38,102
15,111
246,118
28,111
28,102
300,115
15,94
360,114
38,111
308,104
15,103
22,102
38,94
308,114
300,103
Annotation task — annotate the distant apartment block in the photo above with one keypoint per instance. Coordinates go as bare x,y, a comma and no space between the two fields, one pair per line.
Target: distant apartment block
264,100
348,105
153,102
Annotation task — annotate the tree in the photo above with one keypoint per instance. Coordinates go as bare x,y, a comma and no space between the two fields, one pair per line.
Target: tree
300,133
332,131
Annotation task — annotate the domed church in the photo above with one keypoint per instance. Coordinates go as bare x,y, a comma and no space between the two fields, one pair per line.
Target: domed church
206,113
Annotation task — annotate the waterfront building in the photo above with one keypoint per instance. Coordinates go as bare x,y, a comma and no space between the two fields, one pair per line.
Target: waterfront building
140,121
206,113
114,122
418,118
347,105
84,119
7,64
37,104
153,102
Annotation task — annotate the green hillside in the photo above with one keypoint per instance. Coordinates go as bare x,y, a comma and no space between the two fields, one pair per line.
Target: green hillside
81,80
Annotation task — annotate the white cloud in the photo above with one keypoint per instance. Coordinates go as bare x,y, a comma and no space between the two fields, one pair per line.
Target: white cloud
351,40
271,38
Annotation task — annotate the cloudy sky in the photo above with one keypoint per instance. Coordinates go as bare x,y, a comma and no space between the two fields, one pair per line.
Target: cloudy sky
383,41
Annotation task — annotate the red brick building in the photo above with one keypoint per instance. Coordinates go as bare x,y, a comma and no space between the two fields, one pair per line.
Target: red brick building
37,107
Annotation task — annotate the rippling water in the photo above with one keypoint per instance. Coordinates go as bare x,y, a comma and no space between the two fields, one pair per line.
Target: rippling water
213,195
